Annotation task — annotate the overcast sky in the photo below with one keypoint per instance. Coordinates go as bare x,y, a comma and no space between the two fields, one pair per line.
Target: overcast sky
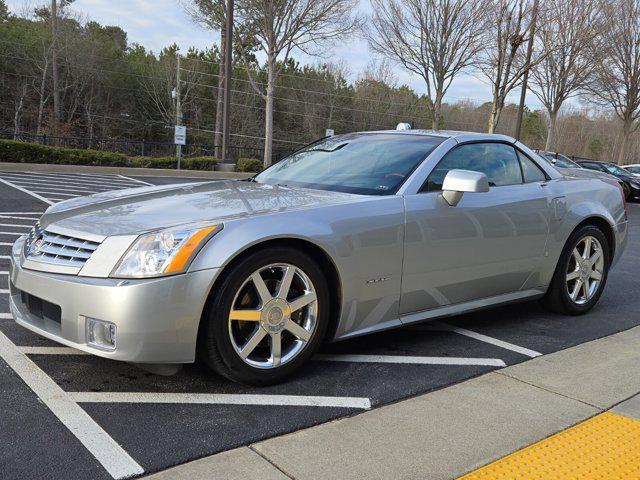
158,23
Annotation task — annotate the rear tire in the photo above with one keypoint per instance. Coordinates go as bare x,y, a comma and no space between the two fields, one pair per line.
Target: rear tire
581,273
254,332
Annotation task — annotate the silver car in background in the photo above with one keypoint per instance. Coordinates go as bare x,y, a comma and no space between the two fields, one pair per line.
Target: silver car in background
351,235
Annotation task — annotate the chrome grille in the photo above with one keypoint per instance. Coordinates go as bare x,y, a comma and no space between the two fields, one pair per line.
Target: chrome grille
56,249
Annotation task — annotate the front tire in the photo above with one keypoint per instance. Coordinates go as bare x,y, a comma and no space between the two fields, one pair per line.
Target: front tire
268,315
581,273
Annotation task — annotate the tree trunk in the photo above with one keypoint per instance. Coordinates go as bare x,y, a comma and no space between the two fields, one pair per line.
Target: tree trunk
551,131
437,109
494,115
217,136
43,83
54,61
268,112
16,116
626,134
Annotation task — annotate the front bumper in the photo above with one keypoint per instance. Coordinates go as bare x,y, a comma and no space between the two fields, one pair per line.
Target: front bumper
157,319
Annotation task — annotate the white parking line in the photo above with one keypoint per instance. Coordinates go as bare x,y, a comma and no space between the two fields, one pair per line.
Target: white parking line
35,195
111,455
4,257
51,351
79,176
491,362
439,326
136,180
6,316
12,233
16,218
67,179
4,291
59,193
63,187
5,244
4,272
221,399
21,213
13,225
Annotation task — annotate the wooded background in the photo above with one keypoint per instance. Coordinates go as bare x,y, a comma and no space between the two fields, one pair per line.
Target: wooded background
79,83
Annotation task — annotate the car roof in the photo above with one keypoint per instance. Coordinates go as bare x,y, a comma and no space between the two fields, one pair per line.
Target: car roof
458,135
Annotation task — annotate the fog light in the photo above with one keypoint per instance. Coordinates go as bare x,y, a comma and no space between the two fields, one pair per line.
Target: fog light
100,334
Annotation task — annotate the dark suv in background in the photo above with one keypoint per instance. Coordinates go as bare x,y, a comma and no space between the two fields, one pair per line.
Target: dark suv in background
630,183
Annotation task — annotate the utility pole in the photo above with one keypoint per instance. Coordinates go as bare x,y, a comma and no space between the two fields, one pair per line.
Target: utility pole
226,121
525,78
54,61
178,109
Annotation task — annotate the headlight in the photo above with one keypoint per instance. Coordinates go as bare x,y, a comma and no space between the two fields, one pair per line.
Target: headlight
163,252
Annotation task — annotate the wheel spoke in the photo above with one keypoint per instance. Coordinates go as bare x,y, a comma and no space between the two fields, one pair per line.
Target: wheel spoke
245,315
595,257
285,284
253,342
302,301
276,348
576,290
587,248
585,289
573,275
297,330
261,287
576,256
596,275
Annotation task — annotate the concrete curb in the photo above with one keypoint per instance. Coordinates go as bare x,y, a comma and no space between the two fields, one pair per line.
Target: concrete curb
449,432
126,171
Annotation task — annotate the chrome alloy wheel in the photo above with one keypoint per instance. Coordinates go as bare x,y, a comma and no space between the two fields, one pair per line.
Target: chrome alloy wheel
585,270
273,315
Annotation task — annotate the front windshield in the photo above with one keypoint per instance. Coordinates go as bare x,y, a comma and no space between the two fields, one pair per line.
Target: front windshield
369,164
560,160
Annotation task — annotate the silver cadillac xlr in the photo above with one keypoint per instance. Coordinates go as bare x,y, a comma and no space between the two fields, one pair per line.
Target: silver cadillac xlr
353,234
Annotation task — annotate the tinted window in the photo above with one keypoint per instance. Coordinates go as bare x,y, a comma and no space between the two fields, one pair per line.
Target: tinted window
530,171
496,160
372,164
633,169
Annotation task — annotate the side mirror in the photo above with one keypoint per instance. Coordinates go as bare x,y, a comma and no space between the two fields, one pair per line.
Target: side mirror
457,182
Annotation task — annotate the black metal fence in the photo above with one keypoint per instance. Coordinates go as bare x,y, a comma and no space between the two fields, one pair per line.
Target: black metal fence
142,148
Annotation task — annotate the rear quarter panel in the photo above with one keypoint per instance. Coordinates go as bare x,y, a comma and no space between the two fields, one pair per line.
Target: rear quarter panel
577,200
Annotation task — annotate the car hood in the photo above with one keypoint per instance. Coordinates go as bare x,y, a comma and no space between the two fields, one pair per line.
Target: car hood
133,211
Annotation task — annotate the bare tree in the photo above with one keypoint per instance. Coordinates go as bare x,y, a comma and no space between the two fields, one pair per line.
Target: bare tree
616,57
435,39
504,60
282,26
566,69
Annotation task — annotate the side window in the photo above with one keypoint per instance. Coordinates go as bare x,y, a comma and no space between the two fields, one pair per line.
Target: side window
497,161
530,171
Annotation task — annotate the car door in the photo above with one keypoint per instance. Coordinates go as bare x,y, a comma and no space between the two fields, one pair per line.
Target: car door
489,244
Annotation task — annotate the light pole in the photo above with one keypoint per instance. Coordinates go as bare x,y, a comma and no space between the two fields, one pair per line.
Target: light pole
525,78
226,115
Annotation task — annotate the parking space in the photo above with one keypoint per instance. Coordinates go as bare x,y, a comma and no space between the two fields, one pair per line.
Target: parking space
127,421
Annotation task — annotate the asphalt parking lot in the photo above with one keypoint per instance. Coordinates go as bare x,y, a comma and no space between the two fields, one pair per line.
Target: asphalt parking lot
134,422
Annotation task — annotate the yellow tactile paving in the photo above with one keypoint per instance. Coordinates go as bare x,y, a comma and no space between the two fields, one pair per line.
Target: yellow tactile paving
604,447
